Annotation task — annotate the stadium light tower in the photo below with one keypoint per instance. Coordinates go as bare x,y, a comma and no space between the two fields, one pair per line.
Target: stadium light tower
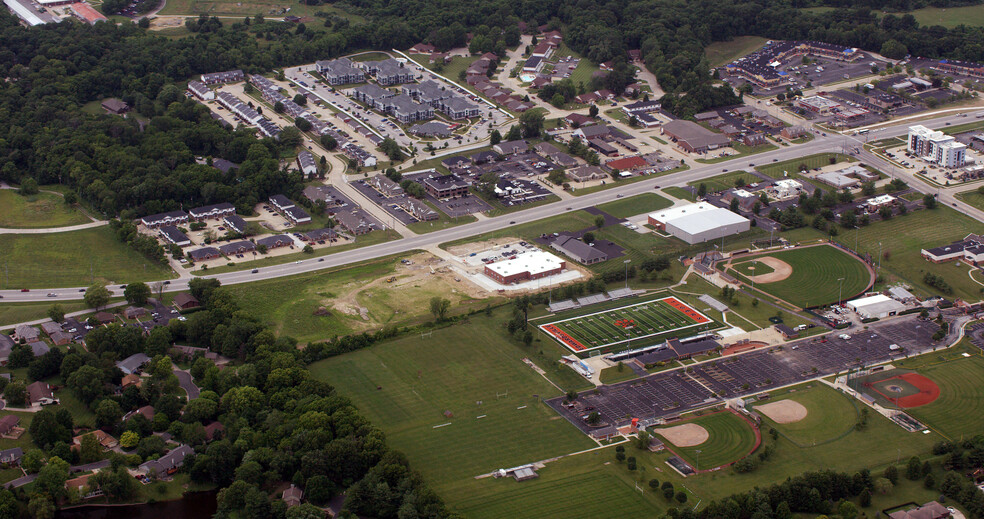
840,290
626,262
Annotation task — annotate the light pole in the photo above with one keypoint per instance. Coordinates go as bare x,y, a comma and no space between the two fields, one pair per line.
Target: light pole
840,290
698,459
626,262
879,255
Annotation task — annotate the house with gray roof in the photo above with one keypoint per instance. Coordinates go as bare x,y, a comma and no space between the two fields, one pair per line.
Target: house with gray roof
578,250
235,223
428,92
28,333
389,71
237,247
353,223
273,242
172,460
340,71
372,95
133,363
171,234
385,186
406,110
459,108
431,129
419,210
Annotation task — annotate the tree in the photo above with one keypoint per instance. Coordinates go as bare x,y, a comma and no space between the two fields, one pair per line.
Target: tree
865,498
137,293
893,49
108,413
41,507
51,478
681,497
495,137
307,511
29,187
391,149
96,296
930,481
329,142
701,190
892,474
913,469
87,383
32,461
588,237
15,394
883,485
532,123
847,510
599,221
439,307
90,451
56,313
929,202
593,111
129,439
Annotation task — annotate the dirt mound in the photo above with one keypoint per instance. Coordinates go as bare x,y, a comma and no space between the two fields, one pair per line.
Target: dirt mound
780,270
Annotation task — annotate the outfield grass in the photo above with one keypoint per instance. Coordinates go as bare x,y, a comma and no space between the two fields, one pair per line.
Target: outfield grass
753,268
724,181
365,240
635,205
720,52
814,280
959,411
829,414
729,439
73,258
34,211
405,386
742,308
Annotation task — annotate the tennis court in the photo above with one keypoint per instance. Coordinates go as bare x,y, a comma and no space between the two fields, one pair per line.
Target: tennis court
621,326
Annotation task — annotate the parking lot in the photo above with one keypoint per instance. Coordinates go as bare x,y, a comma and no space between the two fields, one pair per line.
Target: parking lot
453,207
674,392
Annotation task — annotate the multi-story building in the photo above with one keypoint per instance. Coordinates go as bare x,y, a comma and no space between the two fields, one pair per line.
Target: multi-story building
936,147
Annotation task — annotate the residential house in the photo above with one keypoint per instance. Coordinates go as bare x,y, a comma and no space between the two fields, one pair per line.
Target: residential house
321,235
104,317
578,120
215,78
185,301
158,220
459,108
172,234
204,254
296,215
166,464
133,364
306,163
115,106
7,424
40,393
387,187
130,380
27,333
57,338
11,456
146,411
586,173
389,72
353,223
292,496
930,510
511,147
214,431
50,327
281,202
214,211
340,71
81,486
6,346
105,440
419,210
235,223
201,90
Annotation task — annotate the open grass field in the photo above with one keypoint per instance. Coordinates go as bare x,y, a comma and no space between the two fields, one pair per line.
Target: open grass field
34,211
581,74
679,192
973,197
646,322
971,15
635,205
729,439
288,304
721,52
793,167
12,313
476,373
77,258
829,414
814,280
959,411
741,150
274,9
724,181
443,222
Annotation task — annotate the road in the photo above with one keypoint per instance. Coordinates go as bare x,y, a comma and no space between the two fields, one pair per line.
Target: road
186,383
829,143
23,480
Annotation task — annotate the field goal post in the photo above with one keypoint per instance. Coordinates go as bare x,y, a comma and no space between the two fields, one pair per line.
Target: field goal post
424,335
499,395
637,487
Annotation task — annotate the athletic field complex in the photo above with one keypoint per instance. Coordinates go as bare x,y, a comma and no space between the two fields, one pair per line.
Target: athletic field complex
650,320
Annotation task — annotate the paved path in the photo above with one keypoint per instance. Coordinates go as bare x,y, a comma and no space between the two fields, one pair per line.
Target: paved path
51,230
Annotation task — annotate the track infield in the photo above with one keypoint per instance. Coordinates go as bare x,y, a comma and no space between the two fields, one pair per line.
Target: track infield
814,277
654,319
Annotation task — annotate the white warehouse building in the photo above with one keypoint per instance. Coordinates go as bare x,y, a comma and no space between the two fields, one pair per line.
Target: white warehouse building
698,223
876,307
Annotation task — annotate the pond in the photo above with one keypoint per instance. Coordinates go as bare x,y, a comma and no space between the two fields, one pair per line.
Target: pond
194,505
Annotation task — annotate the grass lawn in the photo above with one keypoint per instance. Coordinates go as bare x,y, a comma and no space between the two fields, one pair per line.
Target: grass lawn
743,151
499,209
10,474
724,181
24,442
617,374
753,268
793,167
40,210
444,222
269,8
409,386
813,281
288,304
729,439
73,258
635,205
80,413
973,197
830,414
365,240
12,313
581,74
681,193
959,411
720,52
615,183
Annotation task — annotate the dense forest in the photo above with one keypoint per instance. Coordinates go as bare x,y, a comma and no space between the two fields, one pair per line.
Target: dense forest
119,165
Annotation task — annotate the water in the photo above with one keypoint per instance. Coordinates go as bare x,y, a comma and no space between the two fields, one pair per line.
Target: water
196,505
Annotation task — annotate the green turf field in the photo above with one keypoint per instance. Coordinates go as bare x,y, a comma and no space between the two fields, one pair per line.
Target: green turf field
405,386
34,211
646,321
729,439
829,414
814,280
753,268
721,52
959,411
76,258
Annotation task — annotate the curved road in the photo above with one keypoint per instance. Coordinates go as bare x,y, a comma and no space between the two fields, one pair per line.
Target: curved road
831,142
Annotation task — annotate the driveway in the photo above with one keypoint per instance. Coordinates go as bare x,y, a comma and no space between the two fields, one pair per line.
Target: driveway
184,379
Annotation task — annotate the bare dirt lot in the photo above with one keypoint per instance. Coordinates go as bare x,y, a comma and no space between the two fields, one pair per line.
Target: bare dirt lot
780,270
685,435
783,411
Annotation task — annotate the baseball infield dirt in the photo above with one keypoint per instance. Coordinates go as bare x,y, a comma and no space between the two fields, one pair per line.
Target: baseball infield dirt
783,411
780,270
685,435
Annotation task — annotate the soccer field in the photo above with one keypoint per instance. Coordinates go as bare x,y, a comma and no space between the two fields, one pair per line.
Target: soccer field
646,320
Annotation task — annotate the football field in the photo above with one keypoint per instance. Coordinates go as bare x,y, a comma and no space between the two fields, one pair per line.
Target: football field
621,326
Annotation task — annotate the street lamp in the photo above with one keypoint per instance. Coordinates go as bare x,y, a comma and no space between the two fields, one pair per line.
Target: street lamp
698,459
626,262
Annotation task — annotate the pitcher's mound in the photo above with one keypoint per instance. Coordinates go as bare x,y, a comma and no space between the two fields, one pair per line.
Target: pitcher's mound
686,435
783,411
780,270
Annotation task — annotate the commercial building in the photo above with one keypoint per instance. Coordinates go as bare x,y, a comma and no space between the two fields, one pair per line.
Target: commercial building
446,186
818,105
157,220
419,210
296,215
875,307
235,223
692,137
936,147
527,266
216,211
785,188
86,13
340,71
698,223
237,247
578,250
511,147
215,78
204,254
28,13
761,67
171,234
970,249
875,203
386,186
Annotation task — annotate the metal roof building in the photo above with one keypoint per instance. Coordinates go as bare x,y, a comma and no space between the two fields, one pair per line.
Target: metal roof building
698,223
